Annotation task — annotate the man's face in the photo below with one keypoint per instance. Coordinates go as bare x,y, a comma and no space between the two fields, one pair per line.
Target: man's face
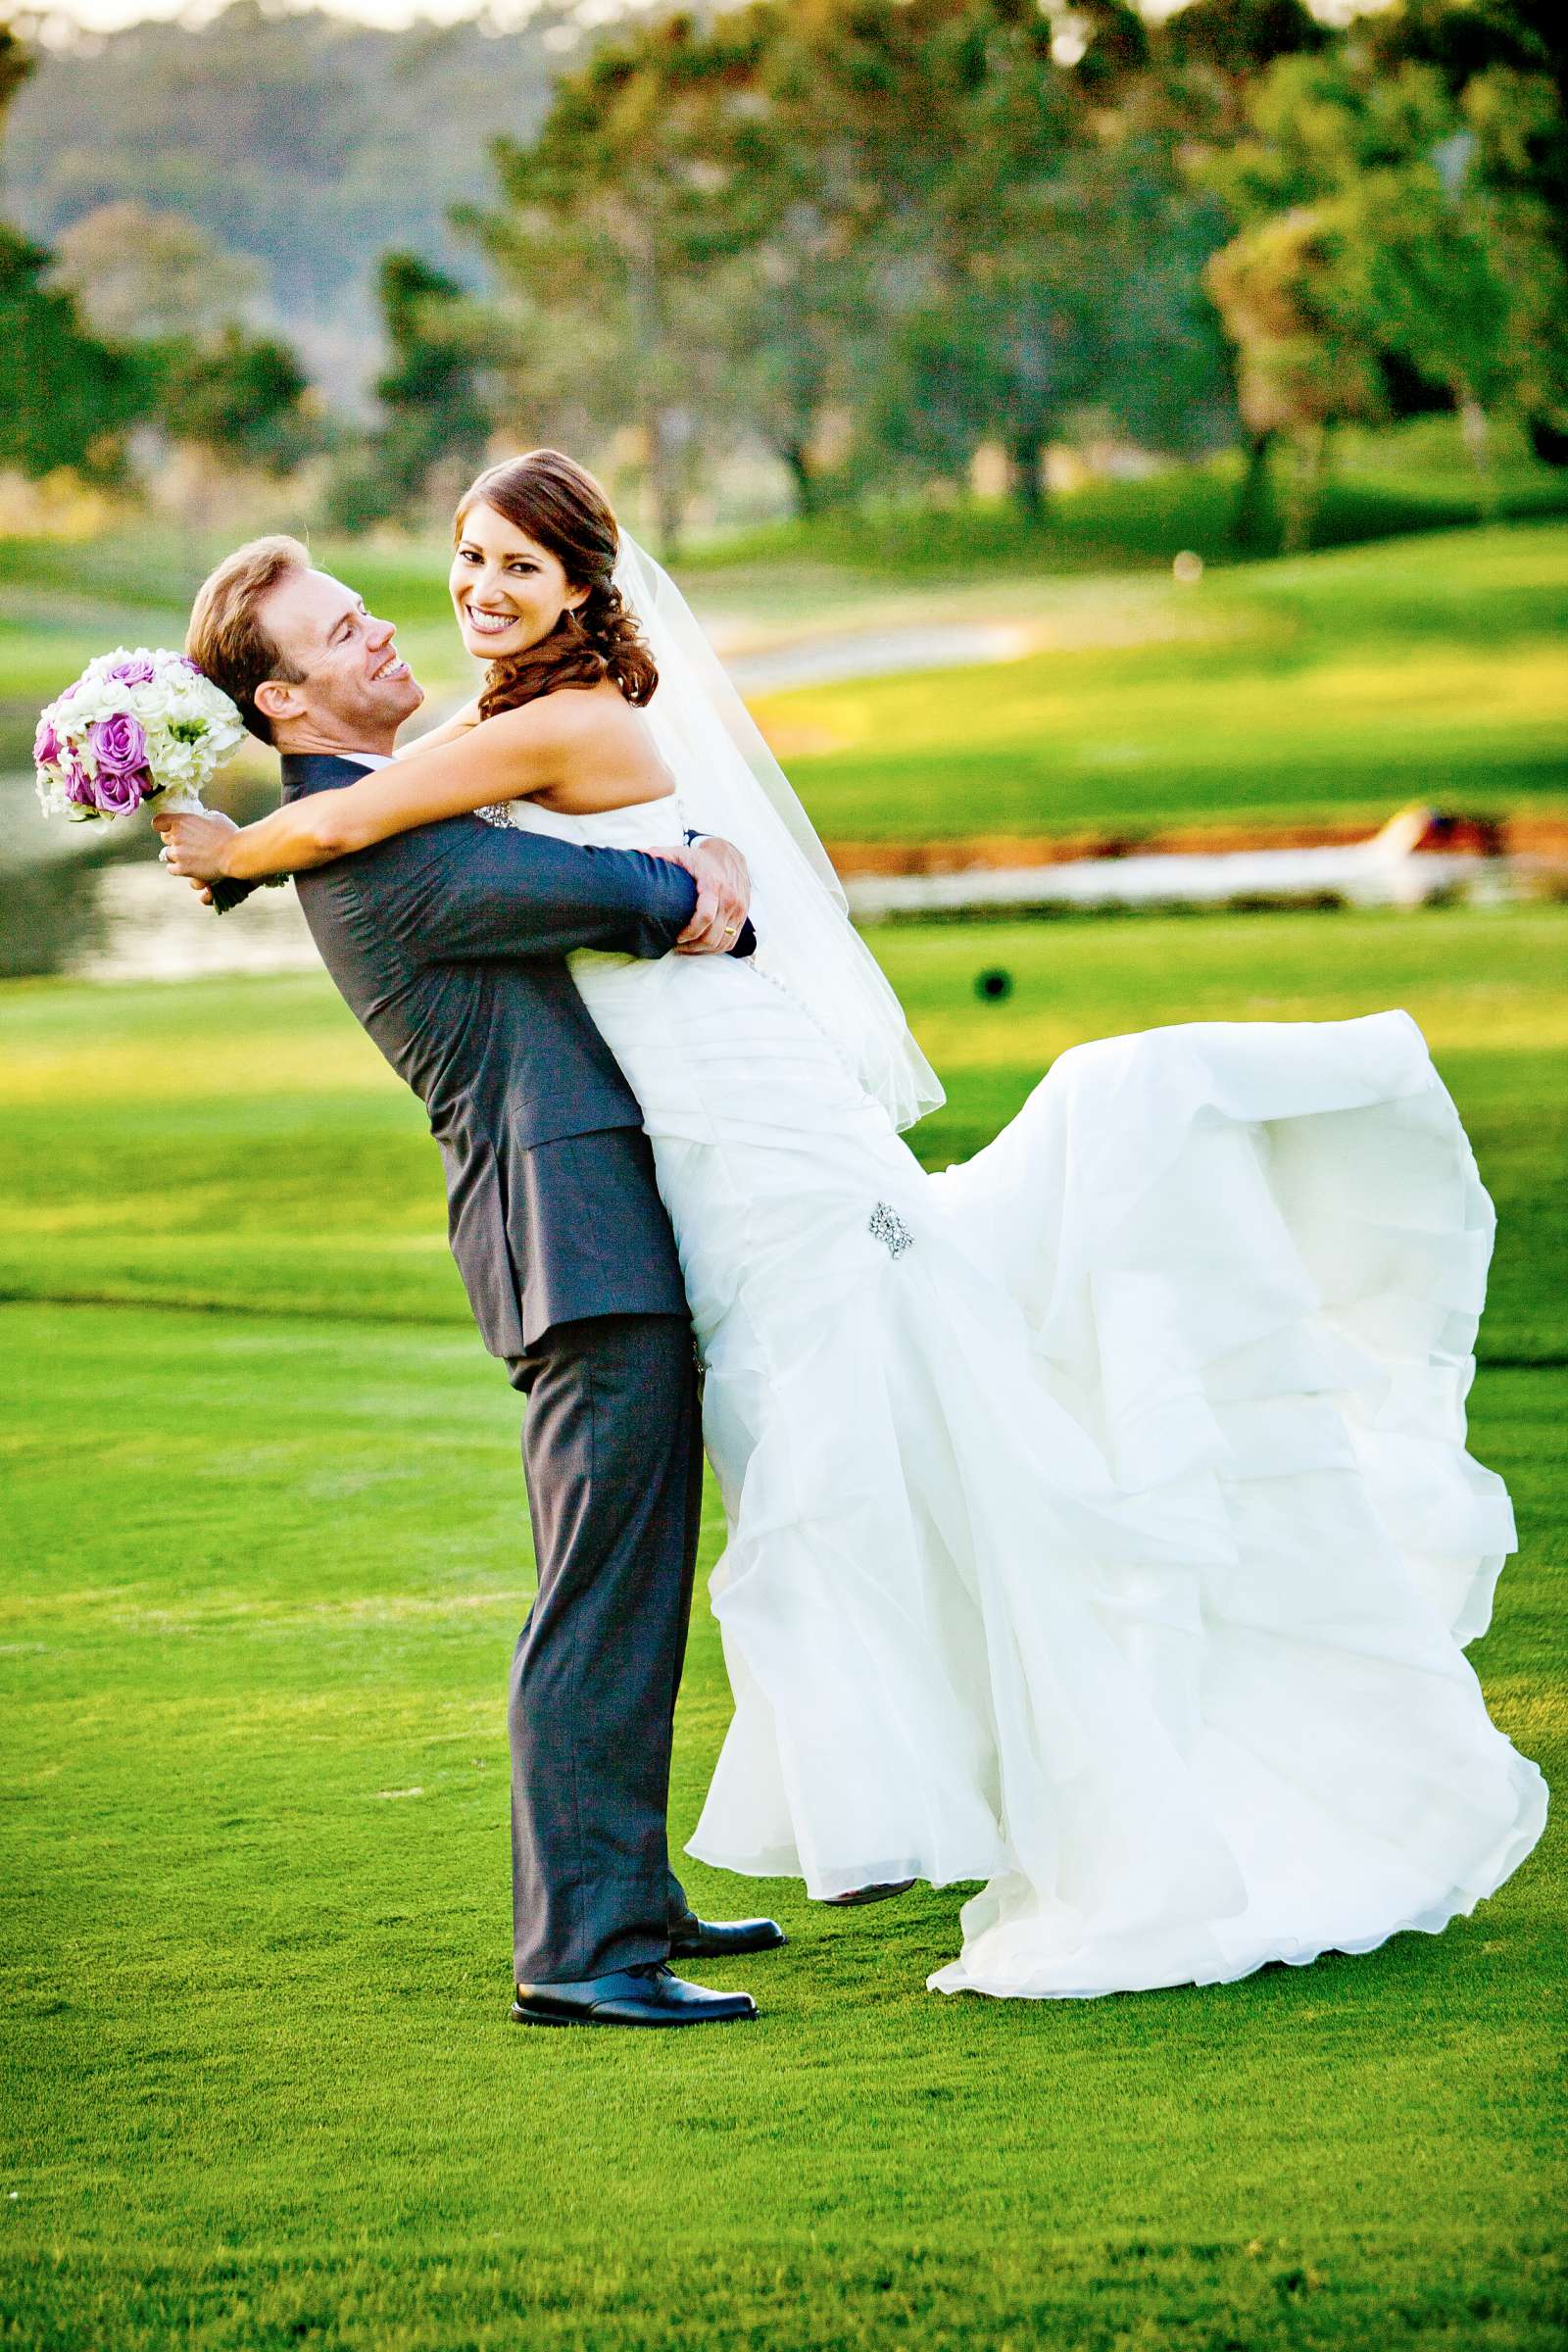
354,688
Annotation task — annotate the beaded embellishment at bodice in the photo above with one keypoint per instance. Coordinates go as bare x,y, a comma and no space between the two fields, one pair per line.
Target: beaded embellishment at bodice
639,826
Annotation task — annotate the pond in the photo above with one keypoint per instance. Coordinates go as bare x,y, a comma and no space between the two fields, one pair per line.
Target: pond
93,901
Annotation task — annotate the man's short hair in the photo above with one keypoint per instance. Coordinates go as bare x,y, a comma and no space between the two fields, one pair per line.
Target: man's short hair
226,640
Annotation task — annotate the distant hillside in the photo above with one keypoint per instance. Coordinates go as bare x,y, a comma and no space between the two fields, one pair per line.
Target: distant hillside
308,141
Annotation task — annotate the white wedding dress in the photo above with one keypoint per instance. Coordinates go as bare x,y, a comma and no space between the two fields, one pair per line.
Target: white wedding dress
1100,1518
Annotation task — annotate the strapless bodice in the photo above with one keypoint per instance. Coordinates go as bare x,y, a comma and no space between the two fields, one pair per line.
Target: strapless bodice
640,825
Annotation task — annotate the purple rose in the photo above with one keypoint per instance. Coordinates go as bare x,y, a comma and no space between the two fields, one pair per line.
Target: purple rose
119,744
138,672
77,785
185,662
123,780
46,744
116,794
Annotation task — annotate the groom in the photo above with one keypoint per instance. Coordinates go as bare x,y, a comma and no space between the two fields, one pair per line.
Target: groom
449,945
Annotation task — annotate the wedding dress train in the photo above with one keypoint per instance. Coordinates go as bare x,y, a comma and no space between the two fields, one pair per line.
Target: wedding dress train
1100,1523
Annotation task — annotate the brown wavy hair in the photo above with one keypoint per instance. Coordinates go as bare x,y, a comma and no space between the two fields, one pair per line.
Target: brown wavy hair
563,509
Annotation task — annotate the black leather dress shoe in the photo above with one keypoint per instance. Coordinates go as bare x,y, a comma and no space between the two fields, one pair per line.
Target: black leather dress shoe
649,1995
694,1939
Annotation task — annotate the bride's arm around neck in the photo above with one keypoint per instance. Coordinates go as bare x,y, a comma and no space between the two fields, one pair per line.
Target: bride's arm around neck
451,730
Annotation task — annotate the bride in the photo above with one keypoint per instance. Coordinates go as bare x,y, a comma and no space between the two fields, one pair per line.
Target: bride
1100,1520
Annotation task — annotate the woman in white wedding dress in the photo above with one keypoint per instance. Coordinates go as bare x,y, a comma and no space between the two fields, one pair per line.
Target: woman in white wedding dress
1100,1519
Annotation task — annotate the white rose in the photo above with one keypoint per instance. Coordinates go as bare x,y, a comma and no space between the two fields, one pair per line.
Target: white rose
92,700
154,703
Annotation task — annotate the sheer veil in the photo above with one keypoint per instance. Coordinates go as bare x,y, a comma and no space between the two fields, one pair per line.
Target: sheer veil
730,783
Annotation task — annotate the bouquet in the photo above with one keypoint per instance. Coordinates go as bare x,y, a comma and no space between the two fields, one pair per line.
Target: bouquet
136,730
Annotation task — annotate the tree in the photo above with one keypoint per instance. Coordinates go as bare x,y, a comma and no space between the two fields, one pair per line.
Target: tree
613,231
1305,360
1238,38
1505,64
292,135
869,317
140,274
1105,44
430,392
239,398
872,233
1383,228
1461,38
1006,198
1062,246
66,398
798,304
15,63
175,303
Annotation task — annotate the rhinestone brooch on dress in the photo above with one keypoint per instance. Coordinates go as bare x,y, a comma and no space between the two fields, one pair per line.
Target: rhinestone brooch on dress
885,1225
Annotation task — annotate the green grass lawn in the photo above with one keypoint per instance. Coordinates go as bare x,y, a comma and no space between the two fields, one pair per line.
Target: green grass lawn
267,1556
1333,687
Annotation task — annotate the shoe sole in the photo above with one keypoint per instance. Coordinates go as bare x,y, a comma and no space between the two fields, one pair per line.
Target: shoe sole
666,2024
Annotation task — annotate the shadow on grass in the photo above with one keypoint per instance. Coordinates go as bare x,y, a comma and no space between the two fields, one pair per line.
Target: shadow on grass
842,2289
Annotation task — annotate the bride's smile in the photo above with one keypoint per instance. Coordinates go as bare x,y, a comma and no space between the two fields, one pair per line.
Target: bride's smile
506,590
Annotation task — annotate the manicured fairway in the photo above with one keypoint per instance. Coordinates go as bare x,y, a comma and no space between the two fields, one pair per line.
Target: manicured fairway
267,1560
1333,688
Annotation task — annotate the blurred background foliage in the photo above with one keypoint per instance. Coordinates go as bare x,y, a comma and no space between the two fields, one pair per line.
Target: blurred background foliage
824,258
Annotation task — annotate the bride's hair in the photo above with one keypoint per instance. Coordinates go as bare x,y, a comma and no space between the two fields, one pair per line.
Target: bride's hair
563,509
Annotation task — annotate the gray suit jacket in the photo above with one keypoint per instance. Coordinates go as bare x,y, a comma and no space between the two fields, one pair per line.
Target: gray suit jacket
449,944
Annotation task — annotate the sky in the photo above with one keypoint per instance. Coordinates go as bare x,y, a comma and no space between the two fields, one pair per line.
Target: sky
102,16
50,19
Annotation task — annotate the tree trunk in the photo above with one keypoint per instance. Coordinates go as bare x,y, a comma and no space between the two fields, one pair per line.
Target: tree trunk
1474,425
802,481
1305,487
1026,457
667,505
663,423
668,439
1254,497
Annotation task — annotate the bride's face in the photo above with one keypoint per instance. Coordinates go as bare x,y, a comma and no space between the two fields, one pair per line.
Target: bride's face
506,590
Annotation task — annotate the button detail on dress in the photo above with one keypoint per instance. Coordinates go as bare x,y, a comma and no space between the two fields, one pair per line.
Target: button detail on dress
885,1225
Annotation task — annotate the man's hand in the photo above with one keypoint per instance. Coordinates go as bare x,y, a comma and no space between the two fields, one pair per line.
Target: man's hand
193,846
723,894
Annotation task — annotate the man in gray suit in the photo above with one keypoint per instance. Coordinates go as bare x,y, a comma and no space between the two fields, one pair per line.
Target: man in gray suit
449,944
